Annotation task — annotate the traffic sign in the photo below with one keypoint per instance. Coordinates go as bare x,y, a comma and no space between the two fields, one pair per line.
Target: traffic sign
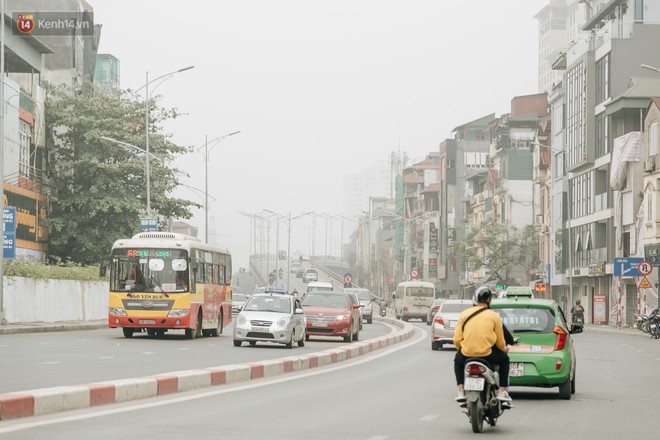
348,280
414,274
645,268
627,267
644,284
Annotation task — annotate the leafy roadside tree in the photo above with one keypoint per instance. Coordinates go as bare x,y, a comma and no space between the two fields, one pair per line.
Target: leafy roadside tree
502,249
99,187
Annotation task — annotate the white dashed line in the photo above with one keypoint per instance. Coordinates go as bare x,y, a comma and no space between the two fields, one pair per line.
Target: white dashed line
147,352
51,363
427,418
184,348
378,437
106,357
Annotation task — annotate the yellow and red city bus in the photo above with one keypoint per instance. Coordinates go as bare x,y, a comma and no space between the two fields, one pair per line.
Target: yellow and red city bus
162,281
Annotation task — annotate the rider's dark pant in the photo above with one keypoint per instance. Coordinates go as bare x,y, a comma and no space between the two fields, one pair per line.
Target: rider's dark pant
496,357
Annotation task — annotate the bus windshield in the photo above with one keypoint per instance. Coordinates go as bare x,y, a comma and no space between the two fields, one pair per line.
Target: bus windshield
149,270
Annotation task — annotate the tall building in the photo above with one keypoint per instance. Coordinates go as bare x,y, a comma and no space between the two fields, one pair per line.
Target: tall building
553,40
590,113
106,73
374,180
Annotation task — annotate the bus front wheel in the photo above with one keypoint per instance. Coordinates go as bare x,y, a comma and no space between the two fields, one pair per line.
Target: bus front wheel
192,333
128,331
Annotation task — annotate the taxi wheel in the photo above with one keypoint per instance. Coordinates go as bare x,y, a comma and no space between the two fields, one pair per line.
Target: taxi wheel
565,390
290,343
237,343
253,343
301,343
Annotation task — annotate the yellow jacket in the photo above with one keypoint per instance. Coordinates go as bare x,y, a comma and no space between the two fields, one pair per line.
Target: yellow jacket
480,333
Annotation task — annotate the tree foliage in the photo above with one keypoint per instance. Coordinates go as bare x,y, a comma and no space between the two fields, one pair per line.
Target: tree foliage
497,247
99,187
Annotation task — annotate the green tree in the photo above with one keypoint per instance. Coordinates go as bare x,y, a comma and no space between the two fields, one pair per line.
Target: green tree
99,188
497,247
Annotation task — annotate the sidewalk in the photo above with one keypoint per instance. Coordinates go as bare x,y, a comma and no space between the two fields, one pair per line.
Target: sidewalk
42,327
607,328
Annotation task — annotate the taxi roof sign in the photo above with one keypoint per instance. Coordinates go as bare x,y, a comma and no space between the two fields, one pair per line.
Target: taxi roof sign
274,289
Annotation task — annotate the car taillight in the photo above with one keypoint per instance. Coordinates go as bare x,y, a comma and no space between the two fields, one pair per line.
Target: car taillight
438,319
561,337
475,369
558,364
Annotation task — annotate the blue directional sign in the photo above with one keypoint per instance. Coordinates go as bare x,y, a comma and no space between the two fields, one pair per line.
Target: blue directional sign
9,232
627,267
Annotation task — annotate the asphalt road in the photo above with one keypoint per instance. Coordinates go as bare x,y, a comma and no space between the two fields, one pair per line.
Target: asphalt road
403,392
41,360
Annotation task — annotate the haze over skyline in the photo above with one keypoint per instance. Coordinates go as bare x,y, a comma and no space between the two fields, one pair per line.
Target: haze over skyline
317,89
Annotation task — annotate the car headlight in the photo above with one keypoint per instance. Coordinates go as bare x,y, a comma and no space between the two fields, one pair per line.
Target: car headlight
117,311
178,312
241,320
341,317
283,322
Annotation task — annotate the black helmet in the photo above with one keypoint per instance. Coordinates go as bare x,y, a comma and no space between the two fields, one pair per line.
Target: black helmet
577,302
482,294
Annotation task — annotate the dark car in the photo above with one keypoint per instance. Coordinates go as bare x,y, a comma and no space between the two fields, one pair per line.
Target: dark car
332,314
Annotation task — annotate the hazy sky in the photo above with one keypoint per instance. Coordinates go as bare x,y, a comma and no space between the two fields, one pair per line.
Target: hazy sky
317,89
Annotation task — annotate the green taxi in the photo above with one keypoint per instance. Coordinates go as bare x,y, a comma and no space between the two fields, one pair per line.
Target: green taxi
544,355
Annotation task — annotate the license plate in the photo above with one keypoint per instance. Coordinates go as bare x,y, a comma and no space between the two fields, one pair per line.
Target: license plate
260,329
319,324
516,369
474,383
147,321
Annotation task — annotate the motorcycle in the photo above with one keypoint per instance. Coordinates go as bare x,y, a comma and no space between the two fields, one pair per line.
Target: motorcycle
577,326
481,386
383,310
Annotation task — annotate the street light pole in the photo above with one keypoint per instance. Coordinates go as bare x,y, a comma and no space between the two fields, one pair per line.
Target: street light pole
3,321
146,126
206,177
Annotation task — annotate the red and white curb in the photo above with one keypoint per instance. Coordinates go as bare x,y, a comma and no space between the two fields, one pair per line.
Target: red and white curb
51,400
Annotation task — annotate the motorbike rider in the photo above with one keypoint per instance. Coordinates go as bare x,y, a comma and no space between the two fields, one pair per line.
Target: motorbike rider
577,310
480,333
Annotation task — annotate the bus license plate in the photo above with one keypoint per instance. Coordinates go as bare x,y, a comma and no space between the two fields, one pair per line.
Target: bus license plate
517,369
261,329
147,321
474,383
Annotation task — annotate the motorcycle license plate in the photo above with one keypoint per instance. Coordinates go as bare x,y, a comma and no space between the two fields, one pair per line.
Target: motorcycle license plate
516,369
474,383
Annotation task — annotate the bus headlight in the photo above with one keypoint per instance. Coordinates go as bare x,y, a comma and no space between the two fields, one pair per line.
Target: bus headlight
116,311
178,312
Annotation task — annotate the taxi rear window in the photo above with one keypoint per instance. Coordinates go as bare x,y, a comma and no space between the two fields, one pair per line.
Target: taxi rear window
527,319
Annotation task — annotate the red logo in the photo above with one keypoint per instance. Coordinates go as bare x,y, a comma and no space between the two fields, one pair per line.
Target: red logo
25,23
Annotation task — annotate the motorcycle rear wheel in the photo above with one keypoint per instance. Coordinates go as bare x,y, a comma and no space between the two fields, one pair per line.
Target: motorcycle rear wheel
476,411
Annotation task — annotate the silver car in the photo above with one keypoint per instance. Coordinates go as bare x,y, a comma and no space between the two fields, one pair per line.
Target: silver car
444,322
271,317
237,302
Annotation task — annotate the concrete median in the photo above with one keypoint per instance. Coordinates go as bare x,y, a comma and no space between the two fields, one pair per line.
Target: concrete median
58,399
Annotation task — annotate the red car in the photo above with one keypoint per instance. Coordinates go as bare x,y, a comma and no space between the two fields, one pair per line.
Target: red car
332,314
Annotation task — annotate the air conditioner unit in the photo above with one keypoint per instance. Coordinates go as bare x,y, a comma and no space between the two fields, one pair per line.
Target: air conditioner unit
649,164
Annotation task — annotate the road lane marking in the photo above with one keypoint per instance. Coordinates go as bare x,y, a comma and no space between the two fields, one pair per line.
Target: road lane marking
378,437
51,363
147,352
106,357
421,335
428,418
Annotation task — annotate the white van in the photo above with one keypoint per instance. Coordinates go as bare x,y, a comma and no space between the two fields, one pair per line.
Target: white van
319,286
413,299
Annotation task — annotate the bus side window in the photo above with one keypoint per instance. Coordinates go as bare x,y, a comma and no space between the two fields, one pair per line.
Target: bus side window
221,274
